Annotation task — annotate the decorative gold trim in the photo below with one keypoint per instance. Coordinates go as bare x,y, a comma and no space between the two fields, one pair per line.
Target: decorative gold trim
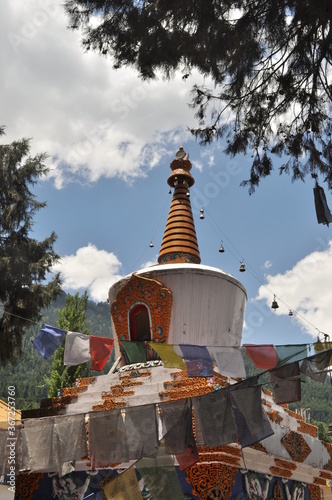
283,464
308,429
277,492
315,493
206,478
320,481
277,471
296,446
149,292
26,484
328,447
326,475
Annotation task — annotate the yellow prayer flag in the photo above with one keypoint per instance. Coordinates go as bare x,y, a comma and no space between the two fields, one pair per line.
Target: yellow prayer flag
123,487
168,355
318,346
323,346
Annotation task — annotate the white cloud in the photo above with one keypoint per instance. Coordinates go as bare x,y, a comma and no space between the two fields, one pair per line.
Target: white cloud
150,263
92,120
208,156
267,264
89,269
198,164
305,290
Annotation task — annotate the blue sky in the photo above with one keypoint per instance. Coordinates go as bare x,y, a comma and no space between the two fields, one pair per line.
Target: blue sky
111,139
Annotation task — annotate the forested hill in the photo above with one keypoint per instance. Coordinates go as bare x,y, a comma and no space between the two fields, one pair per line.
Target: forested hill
28,374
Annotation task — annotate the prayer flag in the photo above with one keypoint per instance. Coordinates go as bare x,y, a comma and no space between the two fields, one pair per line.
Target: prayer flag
323,213
100,350
141,429
123,487
188,458
77,348
3,446
248,401
168,355
176,417
160,477
315,366
245,436
134,351
10,447
178,435
214,422
71,487
286,383
48,340
247,407
322,346
198,360
38,445
51,442
229,361
107,438
290,353
70,435
263,356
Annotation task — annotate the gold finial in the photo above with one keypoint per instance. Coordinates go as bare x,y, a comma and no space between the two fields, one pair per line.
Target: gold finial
179,241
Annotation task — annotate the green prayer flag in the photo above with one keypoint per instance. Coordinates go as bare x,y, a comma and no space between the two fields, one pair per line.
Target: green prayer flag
134,351
290,353
160,476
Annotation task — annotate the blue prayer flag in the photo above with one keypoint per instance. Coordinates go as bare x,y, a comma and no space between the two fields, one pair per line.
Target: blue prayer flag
198,360
48,340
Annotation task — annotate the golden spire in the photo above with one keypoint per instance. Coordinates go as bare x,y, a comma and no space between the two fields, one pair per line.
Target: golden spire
180,242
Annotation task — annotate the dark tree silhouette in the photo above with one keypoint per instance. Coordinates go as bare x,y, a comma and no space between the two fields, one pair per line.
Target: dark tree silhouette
24,261
268,61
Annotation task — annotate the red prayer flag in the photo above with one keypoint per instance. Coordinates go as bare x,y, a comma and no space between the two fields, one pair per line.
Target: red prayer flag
100,350
188,458
263,356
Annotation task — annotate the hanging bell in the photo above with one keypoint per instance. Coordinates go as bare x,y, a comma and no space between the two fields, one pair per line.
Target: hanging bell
170,191
202,214
290,313
275,304
221,249
242,267
151,245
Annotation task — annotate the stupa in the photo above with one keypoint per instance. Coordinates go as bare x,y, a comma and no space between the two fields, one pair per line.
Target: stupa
179,303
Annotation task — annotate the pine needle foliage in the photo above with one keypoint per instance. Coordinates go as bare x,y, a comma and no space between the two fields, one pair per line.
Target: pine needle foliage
25,263
72,317
267,65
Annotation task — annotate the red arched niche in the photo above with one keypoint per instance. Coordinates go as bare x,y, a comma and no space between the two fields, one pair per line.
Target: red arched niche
139,323
152,295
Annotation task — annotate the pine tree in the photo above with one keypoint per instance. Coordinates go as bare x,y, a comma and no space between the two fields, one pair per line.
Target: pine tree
268,65
72,317
25,263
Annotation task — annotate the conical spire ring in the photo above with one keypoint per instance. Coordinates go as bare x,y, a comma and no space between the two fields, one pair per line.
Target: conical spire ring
180,242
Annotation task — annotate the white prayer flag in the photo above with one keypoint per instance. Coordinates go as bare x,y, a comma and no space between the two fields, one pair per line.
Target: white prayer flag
77,349
228,360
